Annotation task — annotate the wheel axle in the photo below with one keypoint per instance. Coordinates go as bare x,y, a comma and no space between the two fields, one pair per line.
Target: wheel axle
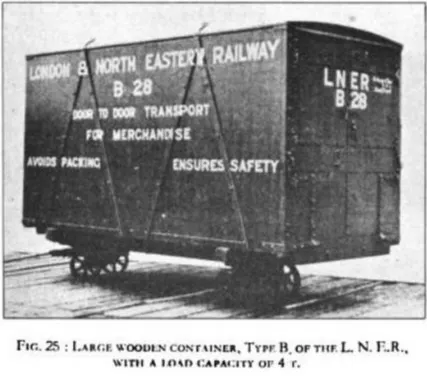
91,265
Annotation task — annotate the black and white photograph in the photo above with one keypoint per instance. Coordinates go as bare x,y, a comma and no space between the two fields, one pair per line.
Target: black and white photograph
213,161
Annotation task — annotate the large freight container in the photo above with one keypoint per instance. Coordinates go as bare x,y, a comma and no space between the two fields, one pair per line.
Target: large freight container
270,146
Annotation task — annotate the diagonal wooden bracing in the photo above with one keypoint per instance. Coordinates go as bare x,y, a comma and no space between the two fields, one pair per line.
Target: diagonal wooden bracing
166,160
222,148
64,144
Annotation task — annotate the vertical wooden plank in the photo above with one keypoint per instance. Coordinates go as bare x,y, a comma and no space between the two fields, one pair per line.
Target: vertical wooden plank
389,209
283,133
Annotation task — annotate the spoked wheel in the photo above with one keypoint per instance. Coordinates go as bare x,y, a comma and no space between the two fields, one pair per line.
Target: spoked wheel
288,281
78,266
118,265
93,270
81,267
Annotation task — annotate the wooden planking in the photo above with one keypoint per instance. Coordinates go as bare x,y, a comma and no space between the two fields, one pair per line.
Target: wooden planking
79,299
395,300
161,305
164,290
313,287
22,255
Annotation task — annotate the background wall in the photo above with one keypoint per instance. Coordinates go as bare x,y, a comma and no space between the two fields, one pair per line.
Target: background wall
36,28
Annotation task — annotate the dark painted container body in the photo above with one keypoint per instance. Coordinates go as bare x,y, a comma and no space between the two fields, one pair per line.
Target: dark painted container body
308,115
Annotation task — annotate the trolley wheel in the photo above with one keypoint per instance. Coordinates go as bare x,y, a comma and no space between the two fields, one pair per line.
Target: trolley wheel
119,265
93,270
81,267
288,281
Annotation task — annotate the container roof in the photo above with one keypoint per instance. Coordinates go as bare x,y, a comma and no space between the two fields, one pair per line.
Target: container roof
327,29
340,31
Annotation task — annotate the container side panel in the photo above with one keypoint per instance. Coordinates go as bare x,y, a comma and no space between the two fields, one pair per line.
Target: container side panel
140,93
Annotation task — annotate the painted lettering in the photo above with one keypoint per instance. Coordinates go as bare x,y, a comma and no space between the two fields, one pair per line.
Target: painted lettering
261,166
41,161
326,81
174,59
150,134
80,162
115,64
382,85
354,80
50,71
86,114
118,88
124,112
338,78
94,135
176,110
244,52
339,98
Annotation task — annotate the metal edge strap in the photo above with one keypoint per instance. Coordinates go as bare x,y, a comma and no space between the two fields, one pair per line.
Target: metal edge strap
223,150
104,151
166,160
61,151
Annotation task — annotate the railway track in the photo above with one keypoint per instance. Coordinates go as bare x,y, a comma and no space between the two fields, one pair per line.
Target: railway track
39,286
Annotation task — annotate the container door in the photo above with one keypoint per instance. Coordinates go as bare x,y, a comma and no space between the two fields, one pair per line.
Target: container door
372,143
343,140
316,142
